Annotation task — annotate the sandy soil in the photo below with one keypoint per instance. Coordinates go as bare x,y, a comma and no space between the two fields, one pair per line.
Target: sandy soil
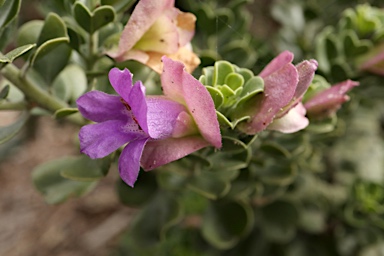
85,226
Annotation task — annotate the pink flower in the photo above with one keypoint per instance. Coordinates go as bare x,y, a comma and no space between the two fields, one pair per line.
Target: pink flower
373,61
157,28
158,129
327,102
279,106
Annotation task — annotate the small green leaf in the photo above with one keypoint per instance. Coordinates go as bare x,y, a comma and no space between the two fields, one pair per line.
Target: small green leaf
8,132
226,222
216,95
252,87
83,168
60,113
15,53
70,84
4,92
29,32
55,188
221,70
92,22
234,81
8,11
119,5
54,27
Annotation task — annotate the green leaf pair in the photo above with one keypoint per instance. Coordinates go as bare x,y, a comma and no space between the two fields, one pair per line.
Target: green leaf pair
93,21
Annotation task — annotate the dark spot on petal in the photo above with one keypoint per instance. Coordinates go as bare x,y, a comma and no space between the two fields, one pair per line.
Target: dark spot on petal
162,40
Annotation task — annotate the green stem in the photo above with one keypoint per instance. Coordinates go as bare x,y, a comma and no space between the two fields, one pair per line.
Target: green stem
13,105
36,94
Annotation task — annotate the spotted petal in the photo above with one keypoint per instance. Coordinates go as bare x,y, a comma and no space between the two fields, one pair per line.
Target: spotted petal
121,81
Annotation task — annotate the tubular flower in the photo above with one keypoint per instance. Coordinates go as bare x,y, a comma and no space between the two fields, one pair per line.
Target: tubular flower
158,129
279,106
328,101
157,28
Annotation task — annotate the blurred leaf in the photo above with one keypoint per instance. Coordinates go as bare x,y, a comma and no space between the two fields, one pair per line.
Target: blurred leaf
209,185
54,27
83,168
8,132
70,84
1,2
93,21
60,113
54,187
4,92
150,226
119,5
144,190
29,32
8,11
15,53
226,222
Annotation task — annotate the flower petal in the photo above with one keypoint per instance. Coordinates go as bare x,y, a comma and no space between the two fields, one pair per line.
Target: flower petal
129,161
144,15
121,81
99,107
162,116
186,27
158,153
277,63
181,86
279,88
329,100
138,104
293,121
99,140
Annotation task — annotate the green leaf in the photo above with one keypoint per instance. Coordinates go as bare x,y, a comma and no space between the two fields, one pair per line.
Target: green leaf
29,32
2,2
279,221
8,11
252,87
70,84
15,53
92,22
83,168
119,5
209,185
54,27
234,81
60,113
4,92
55,188
221,70
144,190
217,96
226,222
151,225
8,132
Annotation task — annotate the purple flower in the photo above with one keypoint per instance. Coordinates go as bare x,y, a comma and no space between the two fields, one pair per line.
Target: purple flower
158,129
327,102
279,107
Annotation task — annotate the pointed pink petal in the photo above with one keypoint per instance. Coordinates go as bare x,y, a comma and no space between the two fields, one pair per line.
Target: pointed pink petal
293,121
329,100
158,153
98,106
279,88
143,17
162,116
99,140
129,161
181,86
277,63
121,81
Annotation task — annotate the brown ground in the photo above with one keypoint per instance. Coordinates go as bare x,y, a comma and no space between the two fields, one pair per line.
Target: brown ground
28,226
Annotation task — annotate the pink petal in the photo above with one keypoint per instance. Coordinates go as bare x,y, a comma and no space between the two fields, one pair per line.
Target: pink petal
277,63
186,27
293,121
279,88
99,106
181,86
143,17
158,153
329,100
129,161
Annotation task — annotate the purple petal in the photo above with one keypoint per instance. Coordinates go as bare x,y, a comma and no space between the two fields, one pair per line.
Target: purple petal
138,104
277,63
99,107
129,161
279,88
162,116
158,153
329,100
293,121
99,140
184,88
121,81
